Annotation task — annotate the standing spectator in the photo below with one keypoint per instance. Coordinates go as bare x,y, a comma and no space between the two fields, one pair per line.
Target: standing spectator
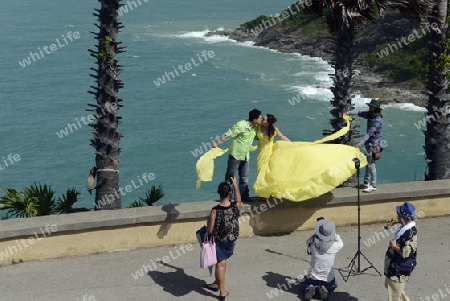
371,141
243,133
402,249
223,225
323,247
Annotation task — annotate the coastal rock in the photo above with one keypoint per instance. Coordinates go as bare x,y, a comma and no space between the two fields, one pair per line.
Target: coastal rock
367,82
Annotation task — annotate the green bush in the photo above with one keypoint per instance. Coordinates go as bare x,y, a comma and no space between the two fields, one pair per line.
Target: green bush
406,63
36,200
152,196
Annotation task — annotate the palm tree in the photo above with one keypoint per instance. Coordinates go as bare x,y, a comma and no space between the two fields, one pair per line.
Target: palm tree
105,127
437,135
344,19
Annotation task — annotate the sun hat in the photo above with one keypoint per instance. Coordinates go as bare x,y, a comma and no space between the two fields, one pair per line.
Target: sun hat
326,233
375,103
407,210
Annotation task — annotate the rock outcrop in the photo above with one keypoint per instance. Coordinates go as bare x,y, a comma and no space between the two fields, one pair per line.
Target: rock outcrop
367,81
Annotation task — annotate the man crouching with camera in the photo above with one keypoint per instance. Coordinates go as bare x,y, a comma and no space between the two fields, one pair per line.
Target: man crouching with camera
322,246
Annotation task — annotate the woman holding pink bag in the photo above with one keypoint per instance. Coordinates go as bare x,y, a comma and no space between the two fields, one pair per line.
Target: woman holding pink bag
223,225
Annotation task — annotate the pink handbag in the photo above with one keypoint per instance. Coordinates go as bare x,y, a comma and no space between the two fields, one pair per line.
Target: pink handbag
208,252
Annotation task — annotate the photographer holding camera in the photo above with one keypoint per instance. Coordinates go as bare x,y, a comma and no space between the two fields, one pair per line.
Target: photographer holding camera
322,247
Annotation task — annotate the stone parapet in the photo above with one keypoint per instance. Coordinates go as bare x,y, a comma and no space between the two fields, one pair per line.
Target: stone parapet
102,231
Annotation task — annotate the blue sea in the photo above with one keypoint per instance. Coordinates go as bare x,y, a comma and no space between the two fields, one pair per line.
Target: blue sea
170,115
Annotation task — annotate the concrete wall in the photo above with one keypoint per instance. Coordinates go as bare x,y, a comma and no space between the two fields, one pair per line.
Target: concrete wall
101,231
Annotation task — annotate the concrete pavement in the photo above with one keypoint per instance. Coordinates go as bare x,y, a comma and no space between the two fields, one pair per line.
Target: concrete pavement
258,271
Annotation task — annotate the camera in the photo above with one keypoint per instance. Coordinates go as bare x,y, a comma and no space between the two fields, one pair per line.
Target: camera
357,163
229,181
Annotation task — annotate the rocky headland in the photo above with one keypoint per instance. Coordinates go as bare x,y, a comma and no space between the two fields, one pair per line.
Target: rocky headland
368,81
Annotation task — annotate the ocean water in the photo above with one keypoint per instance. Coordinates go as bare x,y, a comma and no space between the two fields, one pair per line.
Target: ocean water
167,123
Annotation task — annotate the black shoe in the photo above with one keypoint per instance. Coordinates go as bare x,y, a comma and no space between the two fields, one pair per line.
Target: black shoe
310,292
323,293
222,298
211,288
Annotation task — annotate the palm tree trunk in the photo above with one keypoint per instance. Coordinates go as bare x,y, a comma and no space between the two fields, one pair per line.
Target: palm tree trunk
437,135
342,78
105,126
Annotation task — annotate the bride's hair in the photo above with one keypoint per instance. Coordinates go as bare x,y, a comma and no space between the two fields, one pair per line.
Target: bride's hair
270,127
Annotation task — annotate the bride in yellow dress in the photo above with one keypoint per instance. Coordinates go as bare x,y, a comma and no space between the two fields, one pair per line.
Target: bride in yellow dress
302,170
296,171
265,135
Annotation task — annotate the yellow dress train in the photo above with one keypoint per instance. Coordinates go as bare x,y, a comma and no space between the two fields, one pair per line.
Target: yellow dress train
296,171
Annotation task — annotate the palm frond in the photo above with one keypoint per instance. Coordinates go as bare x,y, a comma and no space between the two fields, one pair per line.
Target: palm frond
17,203
135,204
65,203
42,196
153,195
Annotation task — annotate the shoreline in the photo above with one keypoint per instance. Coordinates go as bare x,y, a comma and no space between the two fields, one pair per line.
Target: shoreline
366,82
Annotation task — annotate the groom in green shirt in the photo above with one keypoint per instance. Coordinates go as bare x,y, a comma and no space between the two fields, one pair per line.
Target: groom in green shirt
243,133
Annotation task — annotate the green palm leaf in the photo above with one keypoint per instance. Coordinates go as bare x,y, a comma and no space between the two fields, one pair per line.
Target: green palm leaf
17,203
153,195
65,203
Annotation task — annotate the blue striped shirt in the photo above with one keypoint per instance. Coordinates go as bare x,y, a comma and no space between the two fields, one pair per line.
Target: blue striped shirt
374,135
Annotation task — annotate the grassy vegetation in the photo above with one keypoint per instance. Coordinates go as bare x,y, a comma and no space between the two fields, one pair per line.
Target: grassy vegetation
408,63
305,24
253,24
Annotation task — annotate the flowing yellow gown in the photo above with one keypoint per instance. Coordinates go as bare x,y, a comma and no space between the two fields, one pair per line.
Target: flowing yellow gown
296,171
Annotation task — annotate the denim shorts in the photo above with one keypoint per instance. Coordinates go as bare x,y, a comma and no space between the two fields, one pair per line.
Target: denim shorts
224,249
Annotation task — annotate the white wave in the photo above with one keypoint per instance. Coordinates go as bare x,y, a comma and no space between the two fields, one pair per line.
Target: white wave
217,39
324,79
319,92
305,57
136,56
249,44
309,117
69,25
405,107
202,35
316,90
193,34
360,102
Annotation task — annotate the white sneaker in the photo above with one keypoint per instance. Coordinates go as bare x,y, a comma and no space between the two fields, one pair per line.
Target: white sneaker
364,185
370,189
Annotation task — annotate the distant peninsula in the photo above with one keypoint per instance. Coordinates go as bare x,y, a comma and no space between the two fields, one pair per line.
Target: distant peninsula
388,65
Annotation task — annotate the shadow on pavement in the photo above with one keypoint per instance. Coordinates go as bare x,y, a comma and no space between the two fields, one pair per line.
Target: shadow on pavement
341,296
282,254
280,283
286,284
178,283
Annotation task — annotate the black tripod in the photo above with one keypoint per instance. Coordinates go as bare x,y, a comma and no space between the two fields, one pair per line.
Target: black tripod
353,267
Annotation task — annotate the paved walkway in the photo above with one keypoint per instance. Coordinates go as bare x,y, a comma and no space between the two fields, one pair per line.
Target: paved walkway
258,269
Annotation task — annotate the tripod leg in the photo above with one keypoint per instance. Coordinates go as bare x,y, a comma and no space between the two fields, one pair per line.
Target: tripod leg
351,267
371,265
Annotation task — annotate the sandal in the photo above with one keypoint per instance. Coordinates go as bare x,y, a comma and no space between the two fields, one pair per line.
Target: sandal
222,298
211,288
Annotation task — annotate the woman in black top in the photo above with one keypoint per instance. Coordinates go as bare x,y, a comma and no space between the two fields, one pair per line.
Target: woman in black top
223,225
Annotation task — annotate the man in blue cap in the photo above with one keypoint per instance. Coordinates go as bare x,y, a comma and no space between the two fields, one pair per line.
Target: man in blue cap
401,254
